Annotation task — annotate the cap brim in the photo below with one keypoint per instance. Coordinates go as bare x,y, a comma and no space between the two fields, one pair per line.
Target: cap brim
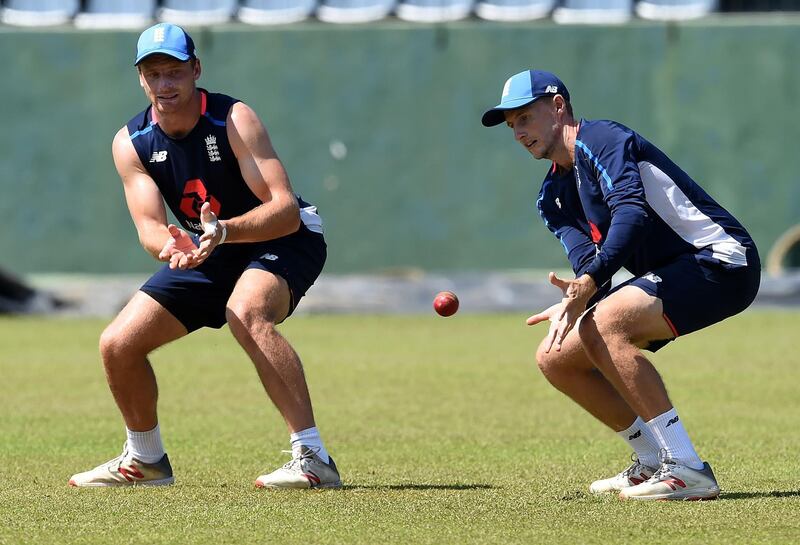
495,116
183,57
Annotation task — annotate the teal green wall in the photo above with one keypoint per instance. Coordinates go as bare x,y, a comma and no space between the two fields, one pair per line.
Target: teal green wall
423,183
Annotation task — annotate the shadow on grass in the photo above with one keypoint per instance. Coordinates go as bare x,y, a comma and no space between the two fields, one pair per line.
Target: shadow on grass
582,496
412,486
751,495
576,495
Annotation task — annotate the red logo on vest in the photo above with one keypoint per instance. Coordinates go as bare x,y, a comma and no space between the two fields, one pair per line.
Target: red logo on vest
194,195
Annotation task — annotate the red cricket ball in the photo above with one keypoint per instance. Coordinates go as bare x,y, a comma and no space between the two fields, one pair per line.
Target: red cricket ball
445,303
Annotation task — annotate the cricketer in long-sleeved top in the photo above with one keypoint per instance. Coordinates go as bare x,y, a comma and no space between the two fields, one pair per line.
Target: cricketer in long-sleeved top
626,204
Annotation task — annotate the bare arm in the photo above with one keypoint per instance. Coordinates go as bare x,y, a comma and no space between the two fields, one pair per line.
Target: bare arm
264,174
163,242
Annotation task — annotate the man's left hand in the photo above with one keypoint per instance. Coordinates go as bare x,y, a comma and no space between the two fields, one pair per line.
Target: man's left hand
213,234
564,315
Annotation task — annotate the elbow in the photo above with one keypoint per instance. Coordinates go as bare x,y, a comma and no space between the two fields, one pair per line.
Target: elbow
633,214
295,224
292,217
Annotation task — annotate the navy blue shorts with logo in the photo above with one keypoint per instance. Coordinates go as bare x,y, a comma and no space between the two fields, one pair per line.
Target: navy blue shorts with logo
197,297
696,294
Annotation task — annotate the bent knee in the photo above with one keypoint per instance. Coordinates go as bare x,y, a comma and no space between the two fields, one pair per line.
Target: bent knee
246,318
558,366
114,343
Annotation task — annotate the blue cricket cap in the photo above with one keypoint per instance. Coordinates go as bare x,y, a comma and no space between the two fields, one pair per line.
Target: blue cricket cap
165,38
522,89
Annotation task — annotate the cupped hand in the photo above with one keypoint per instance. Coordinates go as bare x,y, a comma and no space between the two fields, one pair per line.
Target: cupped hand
564,315
179,250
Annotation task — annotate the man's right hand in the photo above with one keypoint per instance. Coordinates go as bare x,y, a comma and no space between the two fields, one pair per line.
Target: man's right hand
555,314
564,315
179,250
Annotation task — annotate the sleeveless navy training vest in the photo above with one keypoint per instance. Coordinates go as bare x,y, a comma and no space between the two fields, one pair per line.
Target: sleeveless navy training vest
200,167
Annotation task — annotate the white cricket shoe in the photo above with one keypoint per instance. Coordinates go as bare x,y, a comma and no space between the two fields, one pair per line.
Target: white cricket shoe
674,481
307,470
636,473
125,470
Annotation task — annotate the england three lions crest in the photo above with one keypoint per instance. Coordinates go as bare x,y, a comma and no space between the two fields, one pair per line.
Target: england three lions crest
213,150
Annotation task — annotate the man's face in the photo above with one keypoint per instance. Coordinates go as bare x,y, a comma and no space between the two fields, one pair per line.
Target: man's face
168,82
536,127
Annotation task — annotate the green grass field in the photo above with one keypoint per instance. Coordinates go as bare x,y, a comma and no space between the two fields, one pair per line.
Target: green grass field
444,430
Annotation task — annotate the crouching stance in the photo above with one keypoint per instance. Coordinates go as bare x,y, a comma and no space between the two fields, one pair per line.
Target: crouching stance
614,200
248,251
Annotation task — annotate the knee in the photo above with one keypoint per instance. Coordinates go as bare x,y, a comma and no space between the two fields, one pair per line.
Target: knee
114,344
553,365
245,319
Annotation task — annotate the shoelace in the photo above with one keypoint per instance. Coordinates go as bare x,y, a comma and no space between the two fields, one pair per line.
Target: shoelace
115,463
634,467
665,469
307,454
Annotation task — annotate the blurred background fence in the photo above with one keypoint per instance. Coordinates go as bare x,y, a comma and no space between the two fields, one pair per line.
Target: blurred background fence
137,13
379,125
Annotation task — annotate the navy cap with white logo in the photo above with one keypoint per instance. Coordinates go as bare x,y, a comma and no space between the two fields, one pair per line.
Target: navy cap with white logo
165,38
522,89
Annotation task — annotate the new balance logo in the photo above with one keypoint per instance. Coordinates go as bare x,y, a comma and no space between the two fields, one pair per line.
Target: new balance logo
635,435
558,202
271,257
654,278
313,480
671,421
130,473
674,483
158,157
551,89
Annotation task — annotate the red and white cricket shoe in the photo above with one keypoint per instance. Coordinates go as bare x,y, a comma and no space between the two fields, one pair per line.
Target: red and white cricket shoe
307,470
636,473
125,470
674,481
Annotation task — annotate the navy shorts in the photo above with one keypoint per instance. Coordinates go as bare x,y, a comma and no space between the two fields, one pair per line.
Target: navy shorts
198,297
696,294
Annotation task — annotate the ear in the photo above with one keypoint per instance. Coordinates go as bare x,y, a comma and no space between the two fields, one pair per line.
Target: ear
561,108
197,69
559,104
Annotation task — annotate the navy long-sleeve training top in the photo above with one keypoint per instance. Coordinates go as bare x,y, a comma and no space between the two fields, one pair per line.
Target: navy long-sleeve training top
626,204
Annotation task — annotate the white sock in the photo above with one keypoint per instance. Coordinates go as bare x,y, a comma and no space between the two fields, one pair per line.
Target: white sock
146,445
310,438
641,440
668,430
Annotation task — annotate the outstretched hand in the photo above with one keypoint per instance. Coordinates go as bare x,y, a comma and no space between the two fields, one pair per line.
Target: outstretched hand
179,250
555,314
564,315
213,233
